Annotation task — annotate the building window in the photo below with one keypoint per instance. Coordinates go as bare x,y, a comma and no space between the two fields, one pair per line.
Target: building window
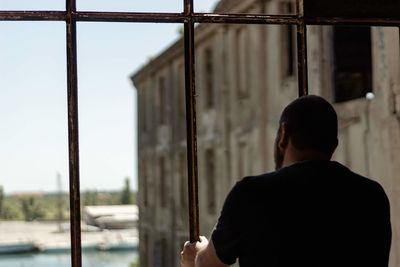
183,180
164,248
210,180
209,77
352,61
288,41
163,185
181,90
242,159
143,111
144,185
161,100
242,58
144,245
160,253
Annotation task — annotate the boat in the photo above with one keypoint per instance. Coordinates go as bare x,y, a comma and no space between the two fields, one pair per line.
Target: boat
60,248
126,244
20,247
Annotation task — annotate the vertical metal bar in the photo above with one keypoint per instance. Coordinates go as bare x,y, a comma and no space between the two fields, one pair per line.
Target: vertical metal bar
73,136
302,49
190,92
264,87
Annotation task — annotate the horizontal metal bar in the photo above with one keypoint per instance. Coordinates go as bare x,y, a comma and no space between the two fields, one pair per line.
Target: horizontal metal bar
352,21
92,16
131,17
33,15
245,18
146,17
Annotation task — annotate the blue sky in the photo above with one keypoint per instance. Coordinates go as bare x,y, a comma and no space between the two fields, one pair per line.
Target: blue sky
33,111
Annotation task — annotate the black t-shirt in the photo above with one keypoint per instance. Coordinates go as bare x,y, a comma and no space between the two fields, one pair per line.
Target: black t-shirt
312,213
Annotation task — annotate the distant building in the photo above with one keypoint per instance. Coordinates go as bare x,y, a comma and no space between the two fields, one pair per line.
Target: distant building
245,75
111,217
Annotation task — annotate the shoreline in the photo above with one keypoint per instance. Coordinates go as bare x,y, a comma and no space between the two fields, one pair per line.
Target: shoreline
45,237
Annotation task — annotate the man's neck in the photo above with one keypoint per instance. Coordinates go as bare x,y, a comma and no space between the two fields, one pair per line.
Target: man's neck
293,156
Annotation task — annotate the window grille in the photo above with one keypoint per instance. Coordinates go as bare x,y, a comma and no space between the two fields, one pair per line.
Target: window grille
308,12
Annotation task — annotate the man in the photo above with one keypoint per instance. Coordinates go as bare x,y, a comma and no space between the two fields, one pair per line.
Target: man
310,212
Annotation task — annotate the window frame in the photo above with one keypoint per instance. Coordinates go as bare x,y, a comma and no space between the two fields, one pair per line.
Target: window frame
189,18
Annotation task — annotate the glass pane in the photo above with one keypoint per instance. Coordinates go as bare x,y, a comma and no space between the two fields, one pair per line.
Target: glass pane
246,7
34,202
32,5
130,6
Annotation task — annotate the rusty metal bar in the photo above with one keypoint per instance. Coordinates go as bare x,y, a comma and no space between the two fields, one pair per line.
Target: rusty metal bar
73,137
244,18
181,18
197,18
149,17
302,50
131,17
190,93
353,21
32,15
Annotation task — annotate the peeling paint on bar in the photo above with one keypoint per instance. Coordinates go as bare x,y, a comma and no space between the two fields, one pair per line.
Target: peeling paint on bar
191,127
302,50
32,15
73,135
135,17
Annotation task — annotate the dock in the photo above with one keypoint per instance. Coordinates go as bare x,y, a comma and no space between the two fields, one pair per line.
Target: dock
21,237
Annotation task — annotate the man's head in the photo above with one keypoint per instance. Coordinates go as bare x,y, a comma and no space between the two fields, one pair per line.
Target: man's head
307,126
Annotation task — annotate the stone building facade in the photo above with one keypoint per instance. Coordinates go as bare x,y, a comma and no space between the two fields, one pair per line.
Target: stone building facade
245,75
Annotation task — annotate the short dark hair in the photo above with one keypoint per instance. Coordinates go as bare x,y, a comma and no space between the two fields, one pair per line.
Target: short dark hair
311,124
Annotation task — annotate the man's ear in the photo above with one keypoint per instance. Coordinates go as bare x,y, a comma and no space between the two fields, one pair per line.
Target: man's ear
283,138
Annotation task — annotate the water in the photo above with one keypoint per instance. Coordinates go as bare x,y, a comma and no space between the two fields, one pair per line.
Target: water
89,259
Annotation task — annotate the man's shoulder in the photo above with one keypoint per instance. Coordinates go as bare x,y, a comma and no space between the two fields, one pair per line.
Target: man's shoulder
329,171
359,179
366,184
261,178
270,180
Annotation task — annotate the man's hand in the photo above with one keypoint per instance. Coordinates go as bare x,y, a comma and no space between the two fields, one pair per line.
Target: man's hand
190,251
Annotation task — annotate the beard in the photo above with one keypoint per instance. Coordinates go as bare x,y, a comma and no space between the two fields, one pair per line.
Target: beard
278,154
